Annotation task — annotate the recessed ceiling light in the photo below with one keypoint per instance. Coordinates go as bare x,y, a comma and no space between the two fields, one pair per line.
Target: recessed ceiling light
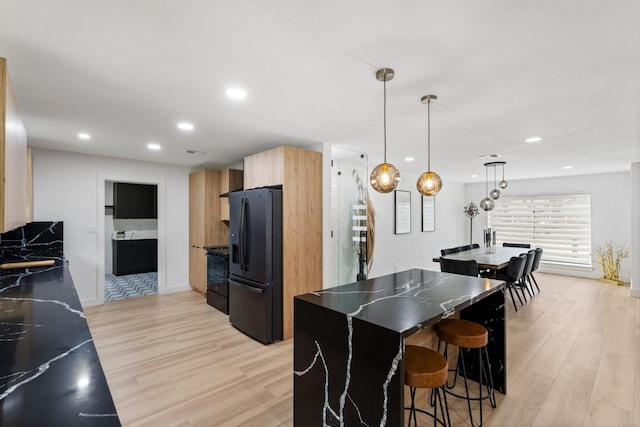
475,175
153,146
409,159
490,156
533,139
567,167
84,136
236,93
186,126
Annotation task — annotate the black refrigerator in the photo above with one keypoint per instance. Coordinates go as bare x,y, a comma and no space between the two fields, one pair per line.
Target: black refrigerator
255,263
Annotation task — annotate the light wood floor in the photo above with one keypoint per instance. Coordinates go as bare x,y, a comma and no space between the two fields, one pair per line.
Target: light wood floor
171,360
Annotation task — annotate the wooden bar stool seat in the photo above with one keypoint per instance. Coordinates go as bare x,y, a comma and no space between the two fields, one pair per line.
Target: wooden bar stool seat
426,368
465,334
462,333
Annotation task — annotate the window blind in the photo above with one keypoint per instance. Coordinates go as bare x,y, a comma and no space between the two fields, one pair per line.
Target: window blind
560,224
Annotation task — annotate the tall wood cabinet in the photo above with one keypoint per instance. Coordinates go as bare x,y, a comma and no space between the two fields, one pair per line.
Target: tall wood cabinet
13,157
208,218
300,174
205,227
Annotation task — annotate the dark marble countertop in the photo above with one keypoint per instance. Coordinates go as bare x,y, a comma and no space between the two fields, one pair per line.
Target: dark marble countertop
50,373
407,301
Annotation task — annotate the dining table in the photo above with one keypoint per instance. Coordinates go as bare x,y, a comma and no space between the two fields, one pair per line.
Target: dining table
494,258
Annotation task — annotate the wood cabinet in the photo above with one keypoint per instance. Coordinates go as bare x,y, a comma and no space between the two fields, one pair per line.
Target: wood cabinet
205,226
230,180
300,174
13,157
198,269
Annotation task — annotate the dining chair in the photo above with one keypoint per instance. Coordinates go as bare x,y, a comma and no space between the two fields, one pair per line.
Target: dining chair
475,246
536,264
516,245
466,268
463,248
512,275
526,280
444,252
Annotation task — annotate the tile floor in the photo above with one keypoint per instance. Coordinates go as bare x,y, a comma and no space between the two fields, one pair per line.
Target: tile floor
129,286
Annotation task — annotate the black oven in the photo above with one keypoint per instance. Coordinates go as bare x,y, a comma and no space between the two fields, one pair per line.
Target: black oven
217,277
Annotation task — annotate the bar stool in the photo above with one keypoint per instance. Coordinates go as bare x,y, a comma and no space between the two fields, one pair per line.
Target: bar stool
425,368
469,335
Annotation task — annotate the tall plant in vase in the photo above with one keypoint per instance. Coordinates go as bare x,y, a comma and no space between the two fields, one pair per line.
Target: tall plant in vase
610,257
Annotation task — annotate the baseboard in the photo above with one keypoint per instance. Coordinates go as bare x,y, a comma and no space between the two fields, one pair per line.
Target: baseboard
635,293
176,288
89,302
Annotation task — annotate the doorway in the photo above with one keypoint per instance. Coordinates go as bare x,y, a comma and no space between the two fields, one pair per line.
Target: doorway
131,233
141,242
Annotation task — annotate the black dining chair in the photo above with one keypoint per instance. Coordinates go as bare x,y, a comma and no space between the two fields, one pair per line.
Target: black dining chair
444,252
516,245
466,268
526,280
475,246
512,275
536,264
463,248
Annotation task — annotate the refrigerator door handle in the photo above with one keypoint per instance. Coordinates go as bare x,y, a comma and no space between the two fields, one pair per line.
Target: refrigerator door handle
249,288
241,233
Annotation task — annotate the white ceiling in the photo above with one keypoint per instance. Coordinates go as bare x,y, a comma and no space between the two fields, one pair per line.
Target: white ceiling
127,71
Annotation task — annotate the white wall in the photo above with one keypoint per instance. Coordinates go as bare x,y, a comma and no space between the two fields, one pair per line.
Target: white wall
610,211
67,186
635,229
397,252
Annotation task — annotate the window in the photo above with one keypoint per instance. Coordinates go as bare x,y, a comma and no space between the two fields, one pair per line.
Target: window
560,224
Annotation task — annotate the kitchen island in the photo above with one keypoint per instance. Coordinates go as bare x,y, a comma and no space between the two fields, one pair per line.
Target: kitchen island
50,374
349,342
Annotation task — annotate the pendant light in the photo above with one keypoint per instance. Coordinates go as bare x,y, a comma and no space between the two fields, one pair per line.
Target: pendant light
429,182
495,193
503,184
385,177
487,203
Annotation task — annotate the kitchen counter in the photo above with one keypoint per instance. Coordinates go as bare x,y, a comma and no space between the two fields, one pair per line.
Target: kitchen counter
50,373
349,342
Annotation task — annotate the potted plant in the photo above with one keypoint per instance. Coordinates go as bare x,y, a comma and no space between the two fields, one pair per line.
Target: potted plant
609,257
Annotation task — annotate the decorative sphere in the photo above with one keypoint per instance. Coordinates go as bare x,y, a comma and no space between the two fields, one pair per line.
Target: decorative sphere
504,184
429,184
495,194
471,210
384,178
487,204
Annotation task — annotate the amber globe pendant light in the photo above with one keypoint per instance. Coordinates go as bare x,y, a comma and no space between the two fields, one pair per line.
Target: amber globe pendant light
385,177
429,182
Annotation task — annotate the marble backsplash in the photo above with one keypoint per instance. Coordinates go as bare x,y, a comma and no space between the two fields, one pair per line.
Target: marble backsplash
33,241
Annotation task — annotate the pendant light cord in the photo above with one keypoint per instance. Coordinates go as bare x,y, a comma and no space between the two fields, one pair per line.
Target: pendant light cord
486,180
429,135
494,178
385,116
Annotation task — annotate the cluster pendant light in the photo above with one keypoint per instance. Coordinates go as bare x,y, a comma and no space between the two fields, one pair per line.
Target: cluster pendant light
488,203
429,182
385,177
